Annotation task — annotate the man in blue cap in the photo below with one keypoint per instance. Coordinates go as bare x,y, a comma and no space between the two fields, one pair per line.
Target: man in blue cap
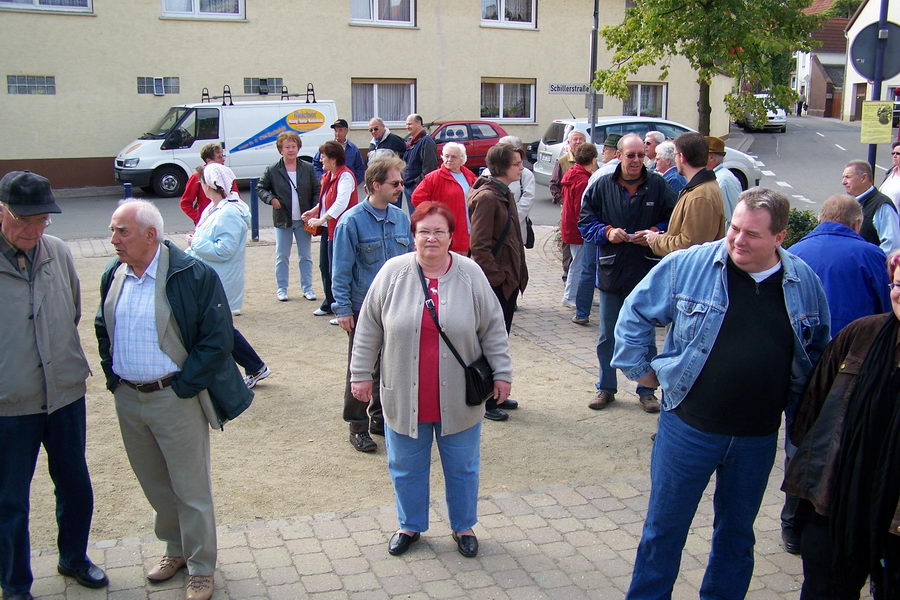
41,386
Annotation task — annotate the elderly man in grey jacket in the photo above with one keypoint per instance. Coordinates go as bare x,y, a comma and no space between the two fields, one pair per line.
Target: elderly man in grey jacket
41,386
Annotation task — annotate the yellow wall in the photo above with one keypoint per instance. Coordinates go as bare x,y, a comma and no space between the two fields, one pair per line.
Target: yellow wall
97,58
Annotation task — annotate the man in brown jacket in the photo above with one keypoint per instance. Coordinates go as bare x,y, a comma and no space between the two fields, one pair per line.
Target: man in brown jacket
495,240
699,215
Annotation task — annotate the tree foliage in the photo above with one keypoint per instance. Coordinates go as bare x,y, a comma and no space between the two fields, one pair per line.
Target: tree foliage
842,8
737,38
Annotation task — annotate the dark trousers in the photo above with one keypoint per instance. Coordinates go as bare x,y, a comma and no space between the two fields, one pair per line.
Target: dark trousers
357,413
509,309
245,356
789,521
62,434
818,569
325,251
566,259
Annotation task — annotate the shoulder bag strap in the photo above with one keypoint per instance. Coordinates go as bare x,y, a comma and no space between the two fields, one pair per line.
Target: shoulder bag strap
429,304
499,243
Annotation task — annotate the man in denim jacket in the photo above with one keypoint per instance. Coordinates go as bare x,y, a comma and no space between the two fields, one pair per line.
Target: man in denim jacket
748,323
366,237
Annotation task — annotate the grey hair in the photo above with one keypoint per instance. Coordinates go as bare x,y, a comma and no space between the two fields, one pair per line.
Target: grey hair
666,151
378,120
861,167
573,132
659,136
458,146
146,214
511,139
621,143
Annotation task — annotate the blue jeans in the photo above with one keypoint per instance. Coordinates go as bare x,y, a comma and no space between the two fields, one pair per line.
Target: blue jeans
587,283
574,276
244,355
409,463
407,195
682,462
283,238
62,434
610,306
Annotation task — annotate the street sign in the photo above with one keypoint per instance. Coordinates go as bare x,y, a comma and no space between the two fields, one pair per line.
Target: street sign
862,52
569,88
876,122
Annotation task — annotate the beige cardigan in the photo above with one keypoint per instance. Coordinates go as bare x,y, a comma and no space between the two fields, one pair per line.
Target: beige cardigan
390,322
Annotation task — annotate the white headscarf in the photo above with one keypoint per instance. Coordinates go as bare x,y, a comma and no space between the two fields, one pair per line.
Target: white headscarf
218,176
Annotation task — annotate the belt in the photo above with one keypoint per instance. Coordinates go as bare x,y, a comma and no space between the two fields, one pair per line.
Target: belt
152,386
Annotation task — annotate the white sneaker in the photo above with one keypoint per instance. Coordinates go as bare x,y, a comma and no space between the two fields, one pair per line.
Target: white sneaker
310,296
235,313
568,303
281,295
251,380
333,322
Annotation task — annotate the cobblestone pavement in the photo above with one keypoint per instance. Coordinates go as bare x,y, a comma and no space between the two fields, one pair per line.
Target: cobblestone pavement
567,541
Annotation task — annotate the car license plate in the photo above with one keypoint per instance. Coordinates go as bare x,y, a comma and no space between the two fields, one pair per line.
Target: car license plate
545,157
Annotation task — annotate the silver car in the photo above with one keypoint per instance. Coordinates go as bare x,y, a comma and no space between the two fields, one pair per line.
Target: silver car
743,167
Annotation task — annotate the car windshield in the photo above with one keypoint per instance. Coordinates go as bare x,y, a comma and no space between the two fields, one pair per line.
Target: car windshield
162,128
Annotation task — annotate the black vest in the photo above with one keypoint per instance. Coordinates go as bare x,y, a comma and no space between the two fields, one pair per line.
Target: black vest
871,203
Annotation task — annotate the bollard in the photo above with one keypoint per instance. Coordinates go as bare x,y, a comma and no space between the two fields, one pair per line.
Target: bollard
126,190
254,211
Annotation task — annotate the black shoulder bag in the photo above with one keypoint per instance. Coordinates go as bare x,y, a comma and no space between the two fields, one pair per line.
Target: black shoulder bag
479,375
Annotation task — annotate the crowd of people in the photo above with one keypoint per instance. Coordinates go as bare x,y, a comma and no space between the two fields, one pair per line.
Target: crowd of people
753,332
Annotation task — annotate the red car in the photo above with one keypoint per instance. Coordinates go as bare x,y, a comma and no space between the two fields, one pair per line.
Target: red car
476,136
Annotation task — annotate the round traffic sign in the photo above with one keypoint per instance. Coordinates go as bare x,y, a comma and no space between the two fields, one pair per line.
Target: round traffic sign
862,52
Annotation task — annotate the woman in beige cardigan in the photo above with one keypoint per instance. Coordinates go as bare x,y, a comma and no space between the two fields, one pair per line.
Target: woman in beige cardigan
422,384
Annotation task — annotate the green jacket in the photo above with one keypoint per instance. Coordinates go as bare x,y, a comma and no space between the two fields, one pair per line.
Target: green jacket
200,309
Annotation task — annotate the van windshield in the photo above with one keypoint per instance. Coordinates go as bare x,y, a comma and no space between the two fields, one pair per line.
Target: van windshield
162,128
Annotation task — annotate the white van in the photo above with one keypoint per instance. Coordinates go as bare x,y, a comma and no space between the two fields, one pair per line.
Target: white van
161,160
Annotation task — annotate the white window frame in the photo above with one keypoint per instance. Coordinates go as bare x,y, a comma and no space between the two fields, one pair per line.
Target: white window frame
30,88
664,100
35,5
373,6
274,83
196,14
501,21
374,82
169,85
501,81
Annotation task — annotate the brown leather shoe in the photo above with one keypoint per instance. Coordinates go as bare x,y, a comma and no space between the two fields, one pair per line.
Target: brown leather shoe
649,403
199,587
166,569
602,400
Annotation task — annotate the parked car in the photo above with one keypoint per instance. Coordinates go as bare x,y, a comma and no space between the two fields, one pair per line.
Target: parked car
743,167
476,136
776,118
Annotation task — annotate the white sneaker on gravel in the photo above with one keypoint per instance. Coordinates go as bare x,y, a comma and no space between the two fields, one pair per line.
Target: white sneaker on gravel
310,296
281,295
568,303
333,322
251,380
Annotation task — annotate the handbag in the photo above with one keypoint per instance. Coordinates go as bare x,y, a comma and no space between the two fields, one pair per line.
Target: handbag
529,234
479,374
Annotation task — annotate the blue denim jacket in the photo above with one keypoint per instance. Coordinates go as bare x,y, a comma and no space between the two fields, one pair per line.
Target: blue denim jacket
362,244
688,289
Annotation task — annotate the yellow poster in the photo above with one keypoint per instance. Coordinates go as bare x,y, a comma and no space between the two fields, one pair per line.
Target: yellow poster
876,122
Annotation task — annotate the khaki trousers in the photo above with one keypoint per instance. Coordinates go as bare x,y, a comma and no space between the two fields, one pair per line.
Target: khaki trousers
167,441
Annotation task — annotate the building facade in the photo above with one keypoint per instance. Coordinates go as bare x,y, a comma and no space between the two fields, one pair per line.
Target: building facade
858,88
85,77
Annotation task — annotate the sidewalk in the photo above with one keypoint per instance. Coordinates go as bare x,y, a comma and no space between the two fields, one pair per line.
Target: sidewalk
568,541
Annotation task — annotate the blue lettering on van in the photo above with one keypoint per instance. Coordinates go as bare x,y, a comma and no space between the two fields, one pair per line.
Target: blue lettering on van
302,120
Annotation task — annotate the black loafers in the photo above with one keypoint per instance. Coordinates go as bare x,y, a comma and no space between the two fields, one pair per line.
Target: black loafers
508,404
466,544
495,415
400,542
790,539
90,575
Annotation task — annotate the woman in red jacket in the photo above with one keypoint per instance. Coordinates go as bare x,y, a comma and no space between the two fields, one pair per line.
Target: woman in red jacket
574,182
449,185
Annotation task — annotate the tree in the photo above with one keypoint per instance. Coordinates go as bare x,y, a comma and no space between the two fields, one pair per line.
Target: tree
737,38
843,8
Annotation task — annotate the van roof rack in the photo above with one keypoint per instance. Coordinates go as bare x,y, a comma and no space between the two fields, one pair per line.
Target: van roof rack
227,97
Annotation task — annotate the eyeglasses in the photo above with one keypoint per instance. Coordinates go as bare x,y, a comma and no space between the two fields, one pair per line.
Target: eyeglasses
373,129
37,222
894,286
395,183
633,155
895,153
437,233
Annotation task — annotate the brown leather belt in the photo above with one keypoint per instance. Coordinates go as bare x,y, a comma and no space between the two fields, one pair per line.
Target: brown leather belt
152,386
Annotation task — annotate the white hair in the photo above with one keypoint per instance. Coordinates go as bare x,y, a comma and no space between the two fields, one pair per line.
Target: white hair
457,146
377,120
666,151
573,132
657,136
146,215
511,139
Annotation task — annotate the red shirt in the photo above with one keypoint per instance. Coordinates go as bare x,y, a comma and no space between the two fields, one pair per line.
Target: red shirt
429,362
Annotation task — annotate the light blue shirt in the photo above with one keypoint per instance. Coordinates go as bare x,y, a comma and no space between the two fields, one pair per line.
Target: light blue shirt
887,225
136,353
731,191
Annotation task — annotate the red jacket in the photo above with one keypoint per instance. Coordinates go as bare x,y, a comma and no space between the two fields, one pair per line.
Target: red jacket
573,183
440,186
193,200
329,195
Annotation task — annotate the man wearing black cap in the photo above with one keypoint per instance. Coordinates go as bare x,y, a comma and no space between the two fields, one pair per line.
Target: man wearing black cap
41,386
352,157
